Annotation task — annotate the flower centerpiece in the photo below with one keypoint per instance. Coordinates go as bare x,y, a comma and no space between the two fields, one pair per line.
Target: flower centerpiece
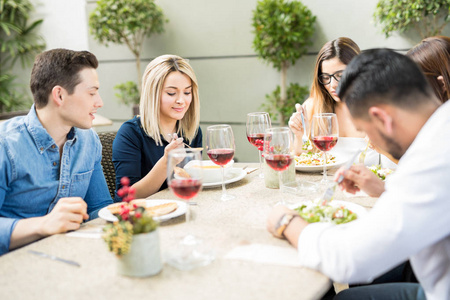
133,238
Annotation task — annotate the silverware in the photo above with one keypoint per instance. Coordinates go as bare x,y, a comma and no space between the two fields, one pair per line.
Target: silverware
52,257
329,193
362,155
304,137
171,139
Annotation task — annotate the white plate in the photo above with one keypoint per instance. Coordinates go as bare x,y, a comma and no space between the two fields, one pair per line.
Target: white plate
302,168
235,174
356,208
105,214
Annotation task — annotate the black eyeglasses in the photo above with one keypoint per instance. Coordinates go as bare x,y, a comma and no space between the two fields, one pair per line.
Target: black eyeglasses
326,78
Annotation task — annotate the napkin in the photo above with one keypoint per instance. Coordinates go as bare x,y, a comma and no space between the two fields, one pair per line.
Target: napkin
87,231
265,254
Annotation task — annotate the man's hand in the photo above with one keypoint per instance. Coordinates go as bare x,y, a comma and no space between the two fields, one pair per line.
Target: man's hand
67,215
357,178
294,228
275,216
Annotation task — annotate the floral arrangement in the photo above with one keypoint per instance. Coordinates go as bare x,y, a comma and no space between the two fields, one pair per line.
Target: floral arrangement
132,219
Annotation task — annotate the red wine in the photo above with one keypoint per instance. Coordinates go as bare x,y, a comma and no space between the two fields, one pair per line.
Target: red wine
278,162
221,156
325,143
185,188
256,139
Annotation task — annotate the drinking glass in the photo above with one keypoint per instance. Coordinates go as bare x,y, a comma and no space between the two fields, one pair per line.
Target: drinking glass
220,149
324,134
184,178
257,123
278,150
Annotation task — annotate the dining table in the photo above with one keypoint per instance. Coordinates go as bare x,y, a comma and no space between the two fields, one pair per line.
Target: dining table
227,229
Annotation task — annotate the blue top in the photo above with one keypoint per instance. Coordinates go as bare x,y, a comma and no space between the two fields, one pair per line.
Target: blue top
135,153
33,177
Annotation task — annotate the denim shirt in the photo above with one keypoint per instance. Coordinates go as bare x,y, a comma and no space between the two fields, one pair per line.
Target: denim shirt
33,177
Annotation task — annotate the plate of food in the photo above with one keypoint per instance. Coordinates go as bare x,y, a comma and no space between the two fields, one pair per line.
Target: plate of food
161,210
233,175
336,211
313,162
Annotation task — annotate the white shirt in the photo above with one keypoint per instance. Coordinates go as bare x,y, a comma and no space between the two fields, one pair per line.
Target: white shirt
411,220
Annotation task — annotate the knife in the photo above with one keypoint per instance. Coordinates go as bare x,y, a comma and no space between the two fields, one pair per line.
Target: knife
52,257
329,193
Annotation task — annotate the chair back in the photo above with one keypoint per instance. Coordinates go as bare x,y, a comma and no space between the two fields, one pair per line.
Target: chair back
107,138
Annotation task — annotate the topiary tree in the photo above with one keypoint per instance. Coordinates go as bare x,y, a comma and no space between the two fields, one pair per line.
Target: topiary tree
283,31
295,94
18,42
427,17
127,22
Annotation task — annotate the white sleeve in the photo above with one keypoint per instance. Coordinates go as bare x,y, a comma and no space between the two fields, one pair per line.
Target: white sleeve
411,215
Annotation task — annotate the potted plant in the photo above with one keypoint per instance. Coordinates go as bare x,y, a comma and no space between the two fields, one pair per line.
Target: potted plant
127,22
134,237
19,42
427,17
283,31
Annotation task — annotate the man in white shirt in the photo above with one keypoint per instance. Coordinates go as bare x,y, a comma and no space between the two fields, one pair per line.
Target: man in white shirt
390,99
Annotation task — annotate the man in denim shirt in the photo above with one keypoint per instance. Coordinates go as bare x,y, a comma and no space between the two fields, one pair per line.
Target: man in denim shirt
51,177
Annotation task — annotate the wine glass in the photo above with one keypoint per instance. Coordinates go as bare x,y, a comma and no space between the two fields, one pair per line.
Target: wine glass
324,135
220,149
257,123
278,150
184,178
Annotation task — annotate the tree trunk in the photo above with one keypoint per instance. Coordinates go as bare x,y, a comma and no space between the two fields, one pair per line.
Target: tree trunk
283,91
138,68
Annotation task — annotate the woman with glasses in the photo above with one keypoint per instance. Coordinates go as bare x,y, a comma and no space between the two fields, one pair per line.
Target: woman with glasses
330,64
169,117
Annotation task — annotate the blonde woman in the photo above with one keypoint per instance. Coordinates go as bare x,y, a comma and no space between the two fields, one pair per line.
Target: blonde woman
170,116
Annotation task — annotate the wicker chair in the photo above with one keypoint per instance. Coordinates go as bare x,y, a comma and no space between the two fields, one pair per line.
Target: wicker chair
107,139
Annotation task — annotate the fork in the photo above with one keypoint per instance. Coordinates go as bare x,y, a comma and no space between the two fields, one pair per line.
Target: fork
362,155
170,135
329,193
304,137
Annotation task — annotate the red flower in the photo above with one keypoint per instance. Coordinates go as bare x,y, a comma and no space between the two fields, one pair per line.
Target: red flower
124,181
120,193
138,215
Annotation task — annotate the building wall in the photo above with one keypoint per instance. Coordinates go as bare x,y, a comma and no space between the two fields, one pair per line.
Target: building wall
216,36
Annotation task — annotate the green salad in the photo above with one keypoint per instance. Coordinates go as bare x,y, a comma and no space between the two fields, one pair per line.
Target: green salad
382,173
326,213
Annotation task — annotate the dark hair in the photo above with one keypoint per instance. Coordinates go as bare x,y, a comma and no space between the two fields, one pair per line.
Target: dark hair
58,67
433,56
344,49
382,76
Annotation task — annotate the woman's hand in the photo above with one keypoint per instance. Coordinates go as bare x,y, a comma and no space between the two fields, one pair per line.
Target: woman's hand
295,121
176,142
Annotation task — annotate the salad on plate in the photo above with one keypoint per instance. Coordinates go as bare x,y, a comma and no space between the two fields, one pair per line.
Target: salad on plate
316,212
314,159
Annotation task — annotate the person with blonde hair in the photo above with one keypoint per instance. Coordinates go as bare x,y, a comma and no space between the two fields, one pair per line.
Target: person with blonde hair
169,117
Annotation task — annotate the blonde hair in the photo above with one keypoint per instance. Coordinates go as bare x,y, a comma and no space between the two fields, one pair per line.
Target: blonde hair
344,49
152,84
